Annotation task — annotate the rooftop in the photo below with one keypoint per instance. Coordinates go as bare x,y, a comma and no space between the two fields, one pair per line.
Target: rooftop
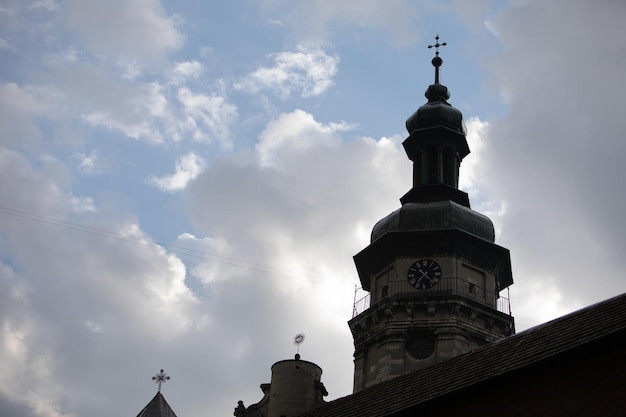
582,327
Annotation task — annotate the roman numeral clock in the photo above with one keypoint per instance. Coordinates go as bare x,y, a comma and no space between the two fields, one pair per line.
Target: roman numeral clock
424,274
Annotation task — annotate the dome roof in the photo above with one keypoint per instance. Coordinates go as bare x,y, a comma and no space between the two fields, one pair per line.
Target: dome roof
435,216
437,112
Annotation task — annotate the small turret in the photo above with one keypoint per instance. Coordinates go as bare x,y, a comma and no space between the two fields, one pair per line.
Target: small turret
296,388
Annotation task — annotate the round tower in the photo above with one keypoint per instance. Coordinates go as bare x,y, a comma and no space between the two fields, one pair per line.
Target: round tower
296,387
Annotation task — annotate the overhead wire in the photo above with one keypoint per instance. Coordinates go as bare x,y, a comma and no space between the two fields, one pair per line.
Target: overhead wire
237,262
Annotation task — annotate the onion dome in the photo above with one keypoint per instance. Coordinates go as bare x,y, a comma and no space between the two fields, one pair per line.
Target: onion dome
437,112
435,216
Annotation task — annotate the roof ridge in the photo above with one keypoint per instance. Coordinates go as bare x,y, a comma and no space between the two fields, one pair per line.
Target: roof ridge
506,355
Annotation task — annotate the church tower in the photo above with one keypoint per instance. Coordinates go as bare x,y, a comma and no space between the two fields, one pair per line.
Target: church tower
432,270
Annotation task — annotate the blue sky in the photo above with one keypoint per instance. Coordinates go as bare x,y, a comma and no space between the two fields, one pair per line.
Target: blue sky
184,183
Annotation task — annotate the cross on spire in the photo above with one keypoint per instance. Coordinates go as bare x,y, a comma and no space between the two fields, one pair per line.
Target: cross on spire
437,61
160,378
437,45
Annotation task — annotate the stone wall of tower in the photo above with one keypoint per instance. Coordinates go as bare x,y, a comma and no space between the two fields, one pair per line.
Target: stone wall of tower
395,336
295,388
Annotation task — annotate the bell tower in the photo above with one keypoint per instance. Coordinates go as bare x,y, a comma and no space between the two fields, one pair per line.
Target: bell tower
432,270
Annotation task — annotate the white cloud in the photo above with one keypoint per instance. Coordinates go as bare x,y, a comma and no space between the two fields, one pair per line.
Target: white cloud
82,204
188,167
89,164
296,132
276,214
19,110
78,88
554,159
44,4
395,19
131,69
216,251
97,290
139,130
155,114
146,111
5,45
208,116
138,28
296,223
476,131
308,71
184,71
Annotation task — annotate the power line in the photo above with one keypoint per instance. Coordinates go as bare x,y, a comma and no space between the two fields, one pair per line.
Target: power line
240,263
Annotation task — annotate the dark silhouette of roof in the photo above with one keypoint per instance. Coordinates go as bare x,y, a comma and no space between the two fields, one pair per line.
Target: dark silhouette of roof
580,328
157,407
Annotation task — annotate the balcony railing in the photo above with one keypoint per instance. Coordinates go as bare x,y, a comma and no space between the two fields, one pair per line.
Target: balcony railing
445,287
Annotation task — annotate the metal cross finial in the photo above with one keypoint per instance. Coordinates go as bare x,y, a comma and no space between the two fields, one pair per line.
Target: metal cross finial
437,61
437,45
160,378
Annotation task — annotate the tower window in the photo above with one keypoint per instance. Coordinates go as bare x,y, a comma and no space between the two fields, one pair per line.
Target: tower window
421,344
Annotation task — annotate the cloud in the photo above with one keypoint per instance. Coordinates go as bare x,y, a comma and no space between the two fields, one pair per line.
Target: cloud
208,117
217,250
188,167
186,70
5,45
98,291
554,158
82,204
308,71
265,223
89,164
151,111
20,108
77,88
395,19
296,132
139,29
44,4
276,214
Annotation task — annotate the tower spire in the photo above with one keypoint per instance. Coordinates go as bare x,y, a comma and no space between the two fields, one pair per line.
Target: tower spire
437,61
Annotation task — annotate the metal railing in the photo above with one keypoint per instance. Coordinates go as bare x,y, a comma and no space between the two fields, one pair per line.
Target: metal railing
445,287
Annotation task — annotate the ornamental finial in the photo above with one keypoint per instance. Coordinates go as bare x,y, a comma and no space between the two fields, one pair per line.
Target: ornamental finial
160,378
436,60
297,341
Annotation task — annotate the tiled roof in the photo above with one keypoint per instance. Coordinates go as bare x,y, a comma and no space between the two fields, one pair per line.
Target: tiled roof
514,352
157,407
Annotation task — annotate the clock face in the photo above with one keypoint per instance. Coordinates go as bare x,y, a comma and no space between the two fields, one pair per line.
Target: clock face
424,274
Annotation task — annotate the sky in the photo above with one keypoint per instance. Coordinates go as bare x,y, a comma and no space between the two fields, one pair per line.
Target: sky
183,184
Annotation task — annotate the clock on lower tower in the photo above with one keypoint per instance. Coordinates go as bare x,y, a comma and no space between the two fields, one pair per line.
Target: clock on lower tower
432,270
